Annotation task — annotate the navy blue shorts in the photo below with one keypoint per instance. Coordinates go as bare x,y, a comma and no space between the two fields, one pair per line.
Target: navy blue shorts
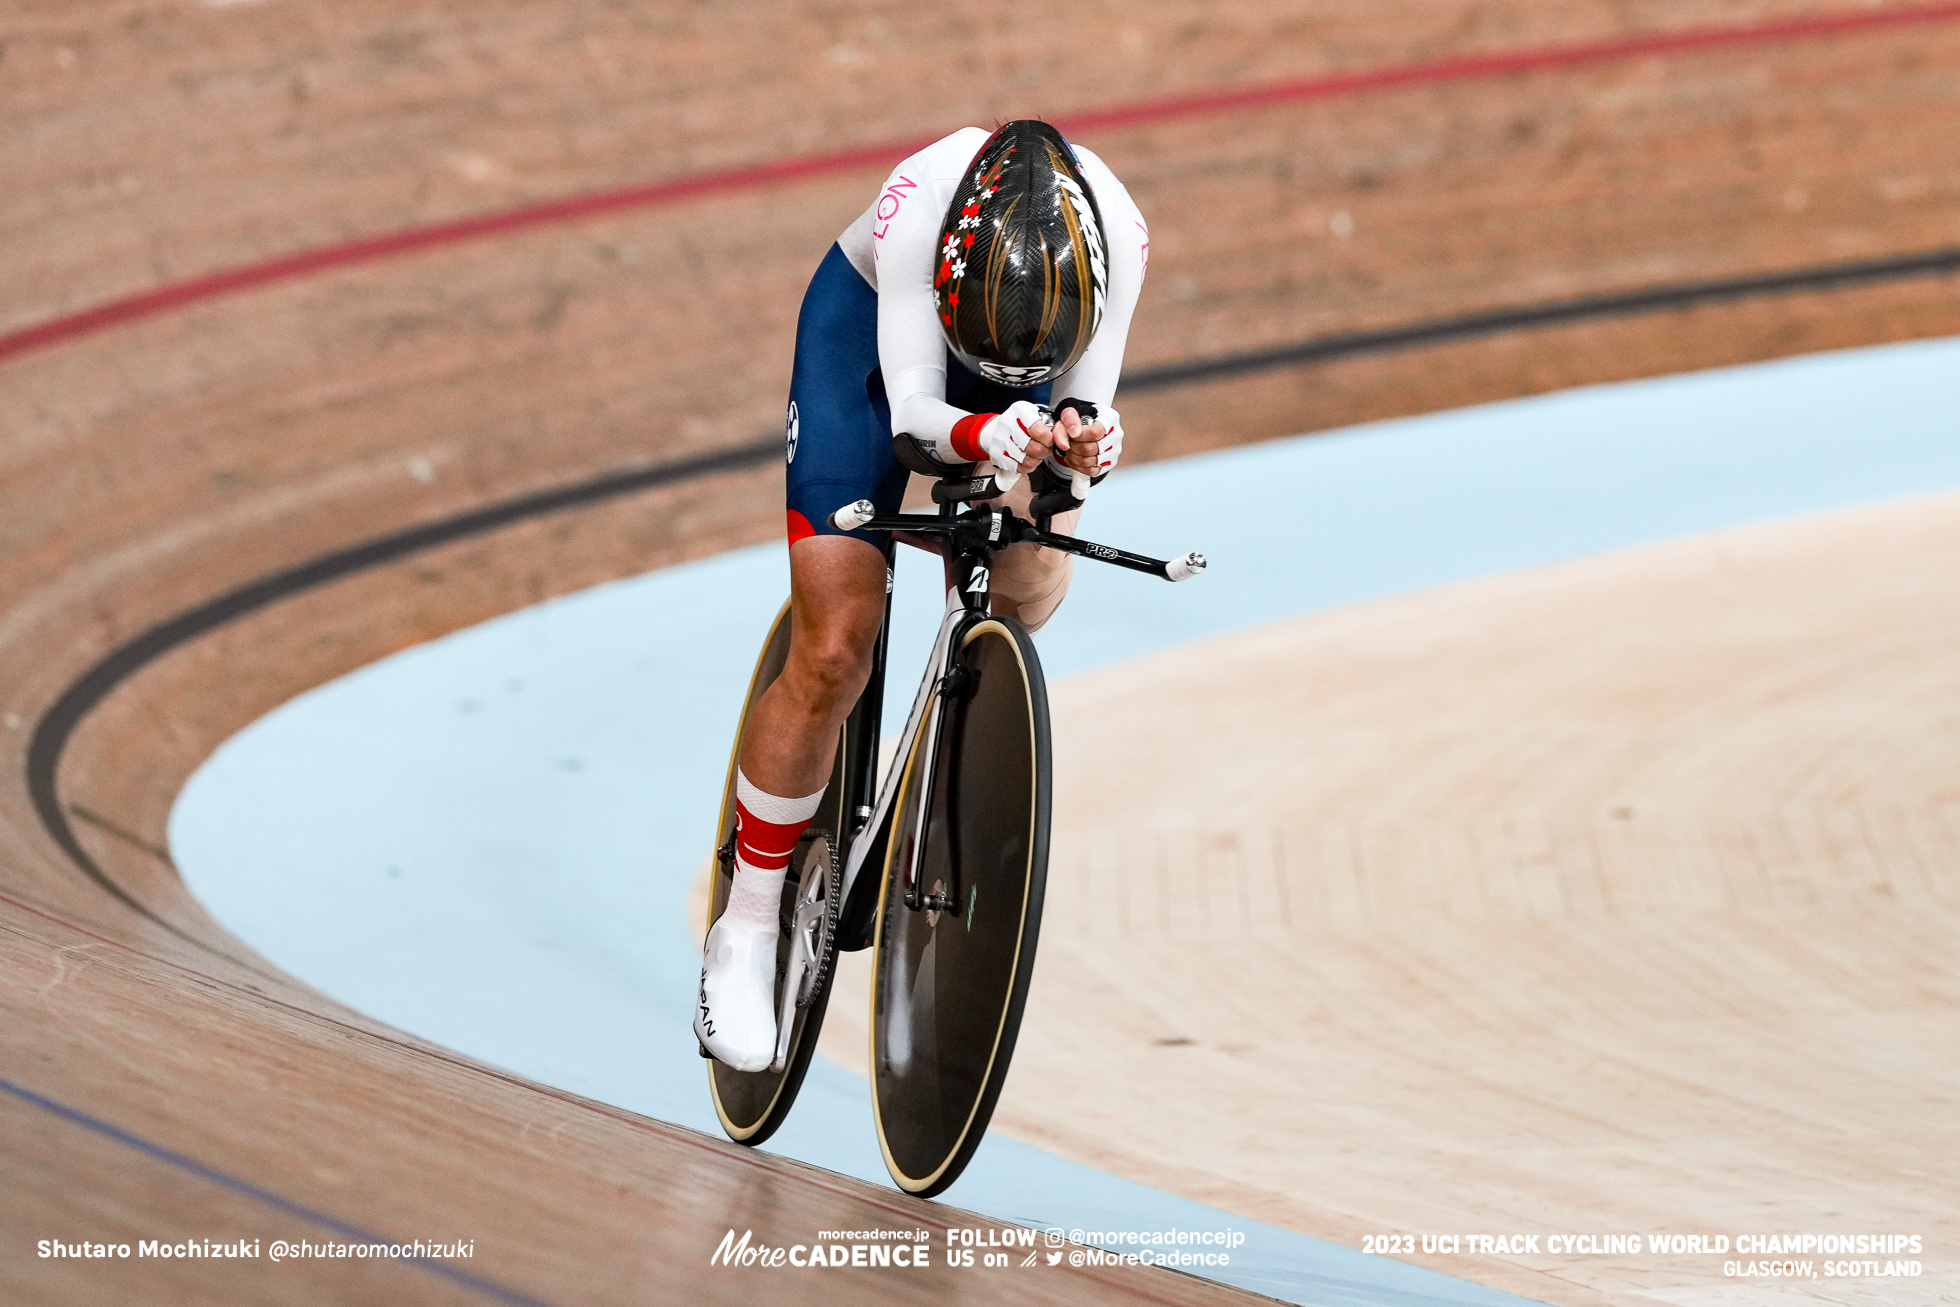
838,433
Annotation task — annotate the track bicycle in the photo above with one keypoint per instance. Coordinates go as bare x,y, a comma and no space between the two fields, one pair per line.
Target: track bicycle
941,873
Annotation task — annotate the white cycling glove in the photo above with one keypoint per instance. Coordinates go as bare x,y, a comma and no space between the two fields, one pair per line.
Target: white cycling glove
1108,450
1110,447
1001,440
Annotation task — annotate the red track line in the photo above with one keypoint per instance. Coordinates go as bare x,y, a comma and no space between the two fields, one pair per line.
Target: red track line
369,248
1470,67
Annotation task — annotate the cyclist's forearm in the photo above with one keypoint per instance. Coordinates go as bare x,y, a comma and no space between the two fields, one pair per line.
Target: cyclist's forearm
920,410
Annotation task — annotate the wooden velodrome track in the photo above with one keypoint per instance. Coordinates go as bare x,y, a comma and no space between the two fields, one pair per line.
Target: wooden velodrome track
161,1082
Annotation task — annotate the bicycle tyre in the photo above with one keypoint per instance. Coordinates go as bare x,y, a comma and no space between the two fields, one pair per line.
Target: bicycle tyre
752,1104
949,987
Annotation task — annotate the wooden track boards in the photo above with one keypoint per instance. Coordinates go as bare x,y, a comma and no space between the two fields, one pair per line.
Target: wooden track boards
564,1200
1613,896
144,470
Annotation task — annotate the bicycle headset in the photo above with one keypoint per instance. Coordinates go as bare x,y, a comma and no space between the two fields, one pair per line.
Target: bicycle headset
1023,268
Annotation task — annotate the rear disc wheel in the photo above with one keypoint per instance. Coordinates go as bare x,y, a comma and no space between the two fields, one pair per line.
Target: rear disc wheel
752,1104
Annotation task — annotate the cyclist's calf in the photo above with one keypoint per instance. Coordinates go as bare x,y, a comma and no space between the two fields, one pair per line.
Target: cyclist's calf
837,602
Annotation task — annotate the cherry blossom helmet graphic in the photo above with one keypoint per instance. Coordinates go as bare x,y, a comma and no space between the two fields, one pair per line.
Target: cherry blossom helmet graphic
1022,270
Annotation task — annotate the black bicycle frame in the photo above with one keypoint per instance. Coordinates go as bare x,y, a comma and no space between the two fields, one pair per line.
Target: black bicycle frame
966,542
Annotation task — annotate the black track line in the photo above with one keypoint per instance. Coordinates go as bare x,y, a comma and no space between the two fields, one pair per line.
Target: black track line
1654,299
58,724
278,1202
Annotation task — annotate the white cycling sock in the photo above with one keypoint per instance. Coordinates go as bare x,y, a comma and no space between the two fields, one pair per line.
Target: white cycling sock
767,828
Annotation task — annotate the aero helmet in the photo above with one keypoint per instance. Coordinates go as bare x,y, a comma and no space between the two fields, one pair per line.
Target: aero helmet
1022,267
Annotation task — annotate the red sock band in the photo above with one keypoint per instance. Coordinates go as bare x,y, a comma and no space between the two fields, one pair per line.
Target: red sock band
765,845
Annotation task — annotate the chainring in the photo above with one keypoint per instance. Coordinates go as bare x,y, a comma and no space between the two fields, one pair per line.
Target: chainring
813,913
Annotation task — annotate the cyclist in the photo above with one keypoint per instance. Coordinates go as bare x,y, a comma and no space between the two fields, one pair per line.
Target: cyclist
991,272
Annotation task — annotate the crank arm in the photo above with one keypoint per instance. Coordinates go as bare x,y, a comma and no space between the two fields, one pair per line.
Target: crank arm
786,1018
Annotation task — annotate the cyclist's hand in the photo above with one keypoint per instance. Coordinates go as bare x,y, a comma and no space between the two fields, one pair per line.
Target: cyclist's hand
1017,439
1088,447
1077,442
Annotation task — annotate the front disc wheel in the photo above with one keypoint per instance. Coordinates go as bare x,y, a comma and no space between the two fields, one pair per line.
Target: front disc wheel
959,911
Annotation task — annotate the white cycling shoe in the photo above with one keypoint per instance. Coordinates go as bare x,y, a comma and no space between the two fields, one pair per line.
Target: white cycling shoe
735,1012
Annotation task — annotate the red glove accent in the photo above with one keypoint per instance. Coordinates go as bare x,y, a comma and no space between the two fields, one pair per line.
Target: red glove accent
966,437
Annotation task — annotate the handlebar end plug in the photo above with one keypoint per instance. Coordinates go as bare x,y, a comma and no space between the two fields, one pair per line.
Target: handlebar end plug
852,516
1183,569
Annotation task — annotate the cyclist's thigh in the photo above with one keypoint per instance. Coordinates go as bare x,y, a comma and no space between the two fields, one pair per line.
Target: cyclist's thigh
1029,582
838,445
837,598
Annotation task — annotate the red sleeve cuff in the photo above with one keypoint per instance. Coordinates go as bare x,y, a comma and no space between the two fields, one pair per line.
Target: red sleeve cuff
966,437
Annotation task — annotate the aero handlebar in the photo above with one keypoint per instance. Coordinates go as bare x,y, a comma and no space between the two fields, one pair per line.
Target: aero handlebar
996,529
